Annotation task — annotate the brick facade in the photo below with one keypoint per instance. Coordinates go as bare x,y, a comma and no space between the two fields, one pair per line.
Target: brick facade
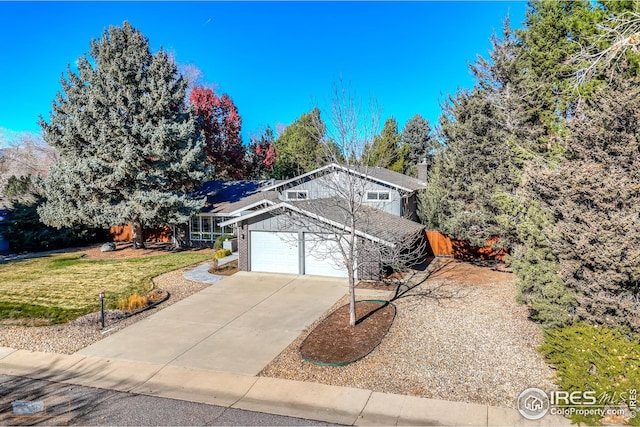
243,248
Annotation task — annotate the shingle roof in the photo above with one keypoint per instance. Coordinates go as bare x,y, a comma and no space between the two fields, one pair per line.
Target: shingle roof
374,173
391,177
221,193
248,201
374,222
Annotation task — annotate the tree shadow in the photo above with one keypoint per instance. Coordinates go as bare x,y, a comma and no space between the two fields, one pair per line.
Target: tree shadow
413,283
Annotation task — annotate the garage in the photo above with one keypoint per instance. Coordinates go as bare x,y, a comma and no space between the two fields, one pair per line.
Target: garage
322,257
274,252
279,252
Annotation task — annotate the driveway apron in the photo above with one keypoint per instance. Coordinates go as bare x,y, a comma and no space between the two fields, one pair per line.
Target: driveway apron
236,325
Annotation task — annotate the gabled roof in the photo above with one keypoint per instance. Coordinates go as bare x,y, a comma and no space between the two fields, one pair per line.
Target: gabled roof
371,223
388,176
377,174
369,220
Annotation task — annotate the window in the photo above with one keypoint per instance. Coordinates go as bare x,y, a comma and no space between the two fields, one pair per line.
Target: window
297,195
206,227
377,195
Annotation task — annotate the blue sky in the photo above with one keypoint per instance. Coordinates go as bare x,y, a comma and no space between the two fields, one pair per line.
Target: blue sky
276,60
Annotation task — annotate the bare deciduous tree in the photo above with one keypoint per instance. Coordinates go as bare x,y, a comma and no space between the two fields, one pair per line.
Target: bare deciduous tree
29,155
347,231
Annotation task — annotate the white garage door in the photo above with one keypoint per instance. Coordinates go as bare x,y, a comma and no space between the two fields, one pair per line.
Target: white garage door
274,252
322,257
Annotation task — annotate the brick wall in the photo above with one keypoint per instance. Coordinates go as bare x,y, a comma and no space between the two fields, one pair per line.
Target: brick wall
243,248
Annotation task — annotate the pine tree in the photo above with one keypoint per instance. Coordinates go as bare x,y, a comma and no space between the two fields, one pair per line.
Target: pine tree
487,133
129,149
417,134
298,148
385,151
593,195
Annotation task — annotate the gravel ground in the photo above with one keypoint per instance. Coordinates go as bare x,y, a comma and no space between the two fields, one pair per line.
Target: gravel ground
73,336
467,341
458,336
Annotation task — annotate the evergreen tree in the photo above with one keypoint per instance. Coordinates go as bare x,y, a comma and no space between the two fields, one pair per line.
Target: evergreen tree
385,151
487,133
129,149
593,195
552,35
418,136
22,227
298,148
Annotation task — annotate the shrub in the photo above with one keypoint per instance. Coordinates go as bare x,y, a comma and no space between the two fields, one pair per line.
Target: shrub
221,253
538,271
220,239
132,303
595,358
24,231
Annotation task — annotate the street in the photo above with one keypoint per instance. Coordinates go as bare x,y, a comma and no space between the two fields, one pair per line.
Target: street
38,402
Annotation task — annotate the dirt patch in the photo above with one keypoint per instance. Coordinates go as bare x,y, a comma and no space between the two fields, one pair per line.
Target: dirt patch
476,273
334,341
376,285
226,270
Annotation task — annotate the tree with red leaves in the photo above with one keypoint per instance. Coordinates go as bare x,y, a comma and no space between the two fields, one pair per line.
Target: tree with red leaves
261,155
220,123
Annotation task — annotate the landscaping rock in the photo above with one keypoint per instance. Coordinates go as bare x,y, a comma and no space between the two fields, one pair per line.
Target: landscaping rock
108,247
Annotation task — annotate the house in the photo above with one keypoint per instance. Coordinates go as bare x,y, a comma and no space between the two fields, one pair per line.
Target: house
221,196
287,226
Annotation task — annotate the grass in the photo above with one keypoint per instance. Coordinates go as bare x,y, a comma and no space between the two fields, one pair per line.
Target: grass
598,359
62,287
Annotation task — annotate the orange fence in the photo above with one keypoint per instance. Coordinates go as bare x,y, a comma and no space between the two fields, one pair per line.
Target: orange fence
122,233
442,245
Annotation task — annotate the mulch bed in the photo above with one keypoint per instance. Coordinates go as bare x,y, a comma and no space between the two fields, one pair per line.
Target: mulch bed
334,341
157,296
226,270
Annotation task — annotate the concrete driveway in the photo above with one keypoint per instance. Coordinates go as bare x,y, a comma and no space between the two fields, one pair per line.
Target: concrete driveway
236,325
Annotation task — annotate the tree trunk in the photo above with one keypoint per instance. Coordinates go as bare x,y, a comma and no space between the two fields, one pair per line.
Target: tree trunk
137,234
352,299
180,237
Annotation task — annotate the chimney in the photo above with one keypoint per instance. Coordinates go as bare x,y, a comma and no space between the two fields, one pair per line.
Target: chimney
423,170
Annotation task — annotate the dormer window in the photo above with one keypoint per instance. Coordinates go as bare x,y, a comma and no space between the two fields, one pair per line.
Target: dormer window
377,195
297,195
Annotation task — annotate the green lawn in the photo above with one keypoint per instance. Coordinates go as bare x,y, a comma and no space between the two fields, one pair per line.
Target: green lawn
63,287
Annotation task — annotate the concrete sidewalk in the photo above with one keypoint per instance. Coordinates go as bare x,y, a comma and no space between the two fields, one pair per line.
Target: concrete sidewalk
342,405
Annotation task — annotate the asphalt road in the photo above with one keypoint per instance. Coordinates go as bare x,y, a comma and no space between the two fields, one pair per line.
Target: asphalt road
22,401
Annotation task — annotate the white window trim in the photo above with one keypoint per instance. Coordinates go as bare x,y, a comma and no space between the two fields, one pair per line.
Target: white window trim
305,192
378,193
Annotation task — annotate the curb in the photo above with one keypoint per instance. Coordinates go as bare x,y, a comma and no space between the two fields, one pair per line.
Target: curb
332,404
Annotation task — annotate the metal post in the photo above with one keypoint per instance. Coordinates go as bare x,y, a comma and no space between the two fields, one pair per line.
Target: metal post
101,295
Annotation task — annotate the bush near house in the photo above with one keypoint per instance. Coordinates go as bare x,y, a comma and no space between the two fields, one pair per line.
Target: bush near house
221,253
220,240
599,359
